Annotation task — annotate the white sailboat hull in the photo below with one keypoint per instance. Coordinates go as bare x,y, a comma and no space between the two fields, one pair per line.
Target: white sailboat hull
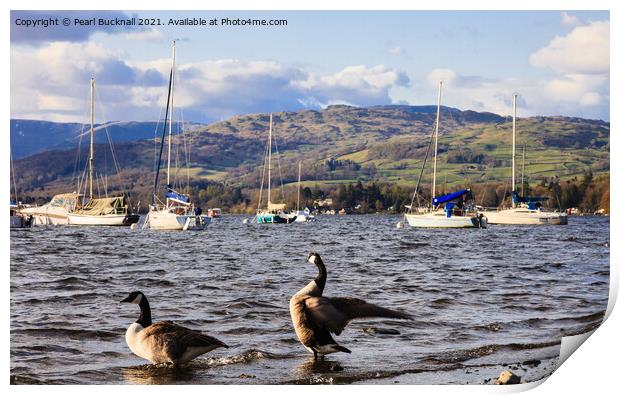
439,220
166,220
524,216
47,215
51,218
55,211
303,216
101,220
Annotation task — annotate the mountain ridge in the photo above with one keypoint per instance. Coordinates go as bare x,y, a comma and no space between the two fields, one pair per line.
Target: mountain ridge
339,144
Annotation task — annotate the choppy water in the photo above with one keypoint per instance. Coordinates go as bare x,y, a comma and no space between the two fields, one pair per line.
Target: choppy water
483,300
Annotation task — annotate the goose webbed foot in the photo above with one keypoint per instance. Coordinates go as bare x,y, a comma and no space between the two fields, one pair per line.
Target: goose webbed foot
174,365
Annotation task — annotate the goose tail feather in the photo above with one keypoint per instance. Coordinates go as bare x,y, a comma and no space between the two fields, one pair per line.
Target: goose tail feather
341,348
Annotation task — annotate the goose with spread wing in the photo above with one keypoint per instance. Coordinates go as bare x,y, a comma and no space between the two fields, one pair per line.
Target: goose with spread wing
164,341
316,317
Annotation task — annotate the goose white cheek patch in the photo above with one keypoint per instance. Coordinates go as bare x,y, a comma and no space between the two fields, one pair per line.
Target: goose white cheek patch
137,299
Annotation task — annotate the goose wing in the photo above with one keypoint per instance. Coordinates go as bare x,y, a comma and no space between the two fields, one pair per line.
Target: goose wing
325,315
172,339
357,308
334,314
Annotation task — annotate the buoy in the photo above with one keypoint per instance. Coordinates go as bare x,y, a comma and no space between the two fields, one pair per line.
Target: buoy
134,226
245,220
400,225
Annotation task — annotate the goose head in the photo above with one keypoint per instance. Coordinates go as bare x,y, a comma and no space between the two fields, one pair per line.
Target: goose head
137,297
134,297
314,257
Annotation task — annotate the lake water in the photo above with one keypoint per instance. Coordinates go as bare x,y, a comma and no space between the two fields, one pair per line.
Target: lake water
483,300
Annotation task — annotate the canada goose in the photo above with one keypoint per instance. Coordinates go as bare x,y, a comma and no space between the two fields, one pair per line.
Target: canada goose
164,341
316,317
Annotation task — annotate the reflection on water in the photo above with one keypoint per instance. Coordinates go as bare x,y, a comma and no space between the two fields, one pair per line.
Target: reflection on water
311,366
148,374
481,299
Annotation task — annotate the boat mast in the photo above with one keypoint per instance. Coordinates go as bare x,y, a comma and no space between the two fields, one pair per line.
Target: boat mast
436,142
523,172
298,185
514,142
91,159
161,144
13,176
269,164
174,52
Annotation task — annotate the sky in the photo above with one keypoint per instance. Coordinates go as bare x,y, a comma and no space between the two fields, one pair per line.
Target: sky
557,61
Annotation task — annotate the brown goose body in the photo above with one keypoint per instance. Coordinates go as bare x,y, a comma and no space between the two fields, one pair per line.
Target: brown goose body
165,341
316,317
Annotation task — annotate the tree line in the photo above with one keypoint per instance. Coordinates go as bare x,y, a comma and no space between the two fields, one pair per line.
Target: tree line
587,193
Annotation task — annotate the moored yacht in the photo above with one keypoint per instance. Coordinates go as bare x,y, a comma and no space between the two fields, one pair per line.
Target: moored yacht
301,215
525,210
456,212
56,211
273,213
177,212
107,211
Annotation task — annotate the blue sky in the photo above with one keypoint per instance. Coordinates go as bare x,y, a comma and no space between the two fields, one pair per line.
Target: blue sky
557,61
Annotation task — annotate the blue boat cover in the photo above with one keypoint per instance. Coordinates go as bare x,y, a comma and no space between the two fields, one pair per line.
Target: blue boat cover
451,196
448,209
173,195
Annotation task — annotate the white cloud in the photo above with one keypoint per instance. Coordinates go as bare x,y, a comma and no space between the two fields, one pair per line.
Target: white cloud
573,94
584,50
356,77
573,87
446,75
207,90
396,51
477,93
590,99
356,85
58,103
60,89
581,61
570,20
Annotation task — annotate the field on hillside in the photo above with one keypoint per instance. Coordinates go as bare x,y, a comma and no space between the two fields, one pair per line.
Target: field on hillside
341,144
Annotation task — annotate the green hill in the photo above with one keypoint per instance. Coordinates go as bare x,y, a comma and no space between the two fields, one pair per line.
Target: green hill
341,144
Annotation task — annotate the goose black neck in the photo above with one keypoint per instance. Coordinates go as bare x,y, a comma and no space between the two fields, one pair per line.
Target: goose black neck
145,313
321,278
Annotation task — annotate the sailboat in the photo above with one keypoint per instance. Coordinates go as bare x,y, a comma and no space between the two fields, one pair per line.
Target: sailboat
455,213
302,215
56,211
525,210
178,212
274,213
18,220
109,211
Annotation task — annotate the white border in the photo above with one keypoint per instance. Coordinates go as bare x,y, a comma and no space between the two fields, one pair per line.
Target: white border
592,368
